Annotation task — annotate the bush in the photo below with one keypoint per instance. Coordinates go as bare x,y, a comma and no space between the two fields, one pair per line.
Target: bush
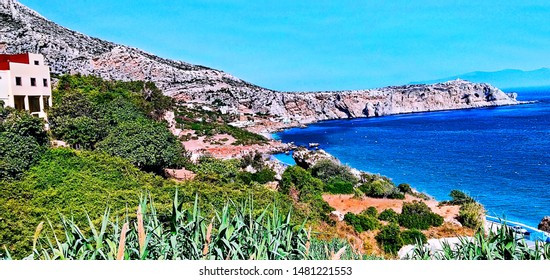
148,145
417,215
381,188
389,238
17,154
22,142
371,212
472,215
263,176
211,169
339,187
460,198
389,215
361,222
405,188
24,124
395,194
308,188
81,132
302,181
413,237
328,170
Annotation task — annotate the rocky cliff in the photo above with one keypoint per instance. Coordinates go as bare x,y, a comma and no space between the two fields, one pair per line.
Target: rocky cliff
67,51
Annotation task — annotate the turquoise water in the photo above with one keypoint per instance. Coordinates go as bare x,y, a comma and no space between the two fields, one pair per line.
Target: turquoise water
500,155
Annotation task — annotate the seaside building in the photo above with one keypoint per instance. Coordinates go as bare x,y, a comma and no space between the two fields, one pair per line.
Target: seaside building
25,83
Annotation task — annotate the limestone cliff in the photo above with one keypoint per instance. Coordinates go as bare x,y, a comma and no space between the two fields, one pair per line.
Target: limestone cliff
67,51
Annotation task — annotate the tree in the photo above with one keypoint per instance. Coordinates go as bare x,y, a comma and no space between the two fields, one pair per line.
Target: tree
299,179
417,215
390,239
17,154
148,145
328,170
24,124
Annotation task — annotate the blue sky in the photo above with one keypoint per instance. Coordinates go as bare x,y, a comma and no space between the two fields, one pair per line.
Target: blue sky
322,45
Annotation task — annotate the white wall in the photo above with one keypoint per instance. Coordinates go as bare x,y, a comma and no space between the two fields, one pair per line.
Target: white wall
26,72
4,87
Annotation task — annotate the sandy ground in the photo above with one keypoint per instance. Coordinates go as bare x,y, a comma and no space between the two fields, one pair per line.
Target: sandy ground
218,148
346,203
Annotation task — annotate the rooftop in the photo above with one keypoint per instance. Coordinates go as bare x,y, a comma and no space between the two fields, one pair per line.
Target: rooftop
5,60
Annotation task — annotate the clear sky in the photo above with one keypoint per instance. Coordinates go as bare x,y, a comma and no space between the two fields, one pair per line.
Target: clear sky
322,45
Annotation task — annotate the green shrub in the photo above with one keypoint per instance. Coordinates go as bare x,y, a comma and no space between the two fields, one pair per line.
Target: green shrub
211,169
389,215
148,145
245,177
413,236
381,188
417,215
328,170
24,124
460,198
361,222
389,238
371,211
472,215
339,187
264,175
22,142
395,194
17,154
309,190
405,188
302,181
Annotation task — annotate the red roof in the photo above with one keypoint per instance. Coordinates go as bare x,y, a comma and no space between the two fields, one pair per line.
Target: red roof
5,60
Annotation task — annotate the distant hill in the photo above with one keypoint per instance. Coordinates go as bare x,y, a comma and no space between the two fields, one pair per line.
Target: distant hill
509,78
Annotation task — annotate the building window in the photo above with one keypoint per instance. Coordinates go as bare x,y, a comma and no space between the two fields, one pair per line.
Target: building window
18,81
36,62
33,82
45,81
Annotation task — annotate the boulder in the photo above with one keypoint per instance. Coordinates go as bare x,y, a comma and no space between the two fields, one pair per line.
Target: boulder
306,158
336,216
545,224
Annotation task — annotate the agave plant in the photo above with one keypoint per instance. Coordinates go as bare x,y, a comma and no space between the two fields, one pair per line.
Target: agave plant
232,234
504,244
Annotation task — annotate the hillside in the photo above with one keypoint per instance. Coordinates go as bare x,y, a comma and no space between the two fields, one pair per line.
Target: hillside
67,51
508,78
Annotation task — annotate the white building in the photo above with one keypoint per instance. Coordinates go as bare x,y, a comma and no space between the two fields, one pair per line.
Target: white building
25,83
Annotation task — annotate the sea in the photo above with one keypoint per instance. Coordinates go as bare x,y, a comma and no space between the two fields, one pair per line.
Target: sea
498,155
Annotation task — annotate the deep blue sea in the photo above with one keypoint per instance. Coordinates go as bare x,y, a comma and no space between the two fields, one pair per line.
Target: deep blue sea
499,155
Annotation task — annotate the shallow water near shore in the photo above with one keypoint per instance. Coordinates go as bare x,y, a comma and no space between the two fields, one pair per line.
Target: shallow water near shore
499,155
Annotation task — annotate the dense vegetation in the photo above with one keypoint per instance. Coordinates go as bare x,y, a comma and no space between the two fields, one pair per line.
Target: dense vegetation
380,187
207,122
22,142
120,118
500,244
471,214
116,138
236,233
417,215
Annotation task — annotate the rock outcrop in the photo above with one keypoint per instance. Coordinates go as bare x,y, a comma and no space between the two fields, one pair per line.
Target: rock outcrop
67,51
545,224
306,158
